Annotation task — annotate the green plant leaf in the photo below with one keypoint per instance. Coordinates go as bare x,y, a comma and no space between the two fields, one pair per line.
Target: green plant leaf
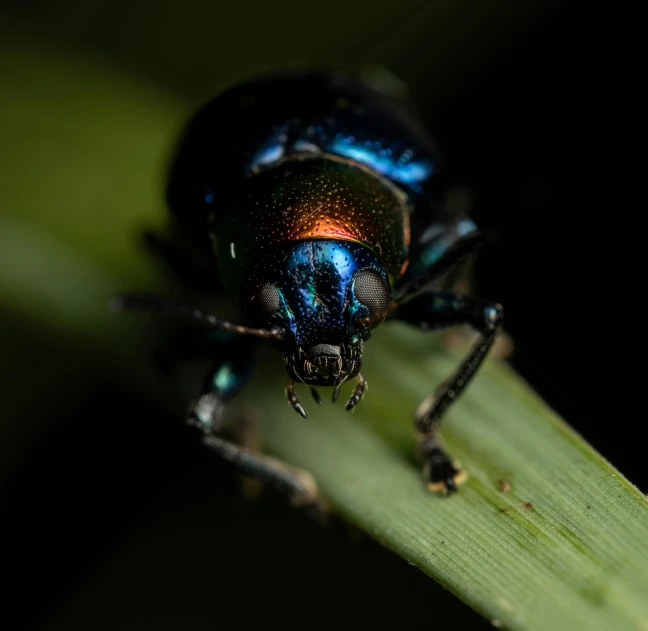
564,548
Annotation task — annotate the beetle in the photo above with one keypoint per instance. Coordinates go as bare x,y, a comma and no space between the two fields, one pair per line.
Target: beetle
318,202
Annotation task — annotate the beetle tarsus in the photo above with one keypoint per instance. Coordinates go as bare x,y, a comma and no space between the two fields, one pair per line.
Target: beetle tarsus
294,401
441,474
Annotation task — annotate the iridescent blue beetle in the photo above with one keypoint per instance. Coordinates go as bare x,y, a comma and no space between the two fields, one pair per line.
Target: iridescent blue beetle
317,202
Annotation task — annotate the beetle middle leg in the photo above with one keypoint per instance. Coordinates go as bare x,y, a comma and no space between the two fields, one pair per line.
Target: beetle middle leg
207,413
435,310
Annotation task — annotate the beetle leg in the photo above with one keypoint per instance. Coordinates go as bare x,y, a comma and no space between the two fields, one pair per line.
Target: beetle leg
231,370
298,484
435,310
438,259
207,414
358,393
293,399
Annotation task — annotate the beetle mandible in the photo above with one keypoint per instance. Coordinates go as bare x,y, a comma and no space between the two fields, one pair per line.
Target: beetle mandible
319,201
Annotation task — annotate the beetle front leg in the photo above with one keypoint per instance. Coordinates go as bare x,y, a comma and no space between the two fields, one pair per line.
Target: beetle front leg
440,309
296,484
207,414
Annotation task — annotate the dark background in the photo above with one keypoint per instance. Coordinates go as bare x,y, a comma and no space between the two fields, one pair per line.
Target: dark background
541,115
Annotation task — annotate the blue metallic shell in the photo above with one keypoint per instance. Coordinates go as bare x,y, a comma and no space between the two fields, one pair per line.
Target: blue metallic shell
256,124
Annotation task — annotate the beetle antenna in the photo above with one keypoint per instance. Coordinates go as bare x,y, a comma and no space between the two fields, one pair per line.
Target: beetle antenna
125,303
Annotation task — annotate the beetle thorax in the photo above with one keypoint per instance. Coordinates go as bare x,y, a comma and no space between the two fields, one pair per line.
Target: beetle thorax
324,198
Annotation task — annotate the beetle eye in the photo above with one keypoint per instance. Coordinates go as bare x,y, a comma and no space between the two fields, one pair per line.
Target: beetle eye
371,290
264,301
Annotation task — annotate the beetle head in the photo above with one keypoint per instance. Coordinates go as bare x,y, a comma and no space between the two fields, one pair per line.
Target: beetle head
318,292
